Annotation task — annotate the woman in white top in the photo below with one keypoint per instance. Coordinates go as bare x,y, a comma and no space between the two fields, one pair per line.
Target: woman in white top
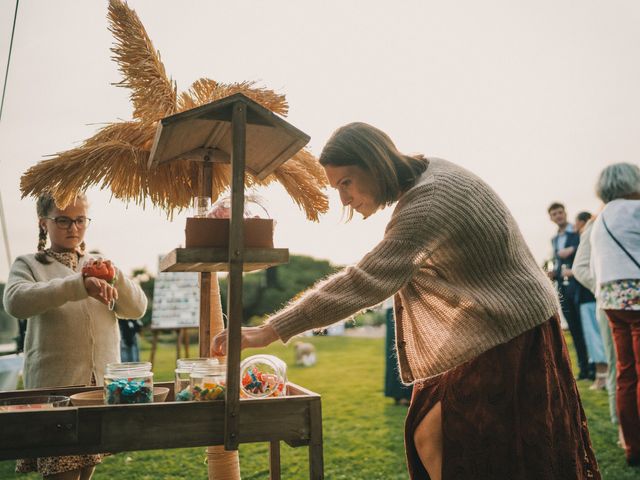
615,259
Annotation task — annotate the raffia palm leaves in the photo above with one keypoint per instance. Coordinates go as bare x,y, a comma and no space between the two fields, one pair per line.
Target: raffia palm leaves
116,157
153,94
302,177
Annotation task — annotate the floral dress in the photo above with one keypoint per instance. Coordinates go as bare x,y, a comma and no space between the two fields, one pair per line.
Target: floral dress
620,295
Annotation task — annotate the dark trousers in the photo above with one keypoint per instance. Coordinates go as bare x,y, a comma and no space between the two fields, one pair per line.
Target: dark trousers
625,327
572,315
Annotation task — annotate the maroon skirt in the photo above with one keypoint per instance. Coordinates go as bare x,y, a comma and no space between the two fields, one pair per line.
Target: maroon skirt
511,413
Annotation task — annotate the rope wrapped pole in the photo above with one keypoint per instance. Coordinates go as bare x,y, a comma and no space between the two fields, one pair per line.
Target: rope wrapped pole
222,464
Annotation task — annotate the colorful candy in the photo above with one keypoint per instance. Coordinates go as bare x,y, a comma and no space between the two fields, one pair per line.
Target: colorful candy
263,376
128,391
208,391
184,395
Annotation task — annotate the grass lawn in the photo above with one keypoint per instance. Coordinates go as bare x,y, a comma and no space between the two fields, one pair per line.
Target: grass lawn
363,430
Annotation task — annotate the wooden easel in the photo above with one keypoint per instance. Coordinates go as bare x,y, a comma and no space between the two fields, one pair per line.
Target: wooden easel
182,340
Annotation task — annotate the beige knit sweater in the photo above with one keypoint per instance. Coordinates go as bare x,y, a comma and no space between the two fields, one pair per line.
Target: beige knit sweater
69,334
463,276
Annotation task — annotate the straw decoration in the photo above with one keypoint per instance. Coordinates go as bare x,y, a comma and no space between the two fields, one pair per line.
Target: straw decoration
152,93
205,90
116,157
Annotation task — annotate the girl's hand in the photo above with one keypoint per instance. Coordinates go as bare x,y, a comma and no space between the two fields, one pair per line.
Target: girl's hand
100,290
100,268
252,337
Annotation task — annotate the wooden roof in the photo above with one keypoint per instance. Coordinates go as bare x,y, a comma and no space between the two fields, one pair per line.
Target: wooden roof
206,130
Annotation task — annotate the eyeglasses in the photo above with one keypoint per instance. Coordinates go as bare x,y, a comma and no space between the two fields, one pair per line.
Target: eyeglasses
65,223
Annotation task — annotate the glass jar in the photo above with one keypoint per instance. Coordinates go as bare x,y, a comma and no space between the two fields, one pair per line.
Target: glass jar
263,376
184,366
208,382
201,206
128,382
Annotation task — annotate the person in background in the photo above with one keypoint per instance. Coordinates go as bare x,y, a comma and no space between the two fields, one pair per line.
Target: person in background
129,329
587,308
581,221
393,387
583,273
565,244
477,324
615,257
72,331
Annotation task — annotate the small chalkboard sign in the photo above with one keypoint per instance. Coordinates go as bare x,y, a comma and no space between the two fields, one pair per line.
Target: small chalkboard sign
176,301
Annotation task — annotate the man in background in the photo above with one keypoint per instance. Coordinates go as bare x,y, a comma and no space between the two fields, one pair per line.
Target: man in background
564,244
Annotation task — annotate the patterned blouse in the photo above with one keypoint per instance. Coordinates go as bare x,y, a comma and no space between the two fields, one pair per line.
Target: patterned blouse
620,295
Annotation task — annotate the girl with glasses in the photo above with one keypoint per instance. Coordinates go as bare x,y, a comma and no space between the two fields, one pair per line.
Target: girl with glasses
72,333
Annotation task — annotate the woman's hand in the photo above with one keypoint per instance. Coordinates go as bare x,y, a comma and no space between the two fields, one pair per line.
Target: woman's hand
566,252
252,337
100,290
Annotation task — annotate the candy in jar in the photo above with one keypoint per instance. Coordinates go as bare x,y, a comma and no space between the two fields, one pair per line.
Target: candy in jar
208,382
263,376
184,367
128,382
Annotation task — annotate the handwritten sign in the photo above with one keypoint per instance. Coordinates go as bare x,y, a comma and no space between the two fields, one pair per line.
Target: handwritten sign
176,301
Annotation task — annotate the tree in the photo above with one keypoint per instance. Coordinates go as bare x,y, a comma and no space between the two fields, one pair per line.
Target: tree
267,291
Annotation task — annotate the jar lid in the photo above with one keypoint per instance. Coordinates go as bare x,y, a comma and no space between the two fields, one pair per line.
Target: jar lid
189,363
129,369
202,370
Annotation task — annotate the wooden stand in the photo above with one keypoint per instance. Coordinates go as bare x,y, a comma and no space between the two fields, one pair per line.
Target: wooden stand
251,137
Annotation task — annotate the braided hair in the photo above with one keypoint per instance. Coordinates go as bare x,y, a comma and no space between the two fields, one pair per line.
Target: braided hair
44,205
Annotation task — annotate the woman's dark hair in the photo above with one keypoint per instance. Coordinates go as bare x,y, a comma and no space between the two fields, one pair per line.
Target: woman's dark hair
583,216
371,149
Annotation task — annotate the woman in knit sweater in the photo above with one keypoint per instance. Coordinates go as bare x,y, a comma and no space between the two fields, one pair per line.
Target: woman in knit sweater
71,332
477,325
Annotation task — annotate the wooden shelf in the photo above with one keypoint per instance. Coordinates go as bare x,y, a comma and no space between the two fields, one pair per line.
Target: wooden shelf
217,259
294,419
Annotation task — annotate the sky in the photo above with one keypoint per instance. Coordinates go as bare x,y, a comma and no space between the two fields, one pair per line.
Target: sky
535,97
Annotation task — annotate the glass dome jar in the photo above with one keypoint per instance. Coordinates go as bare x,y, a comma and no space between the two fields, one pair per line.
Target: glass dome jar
184,367
128,382
263,376
253,208
208,382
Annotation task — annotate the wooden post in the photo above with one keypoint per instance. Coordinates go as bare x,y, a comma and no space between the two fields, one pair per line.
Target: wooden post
185,337
205,313
236,259
274,460
316,458
178,342
154,345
